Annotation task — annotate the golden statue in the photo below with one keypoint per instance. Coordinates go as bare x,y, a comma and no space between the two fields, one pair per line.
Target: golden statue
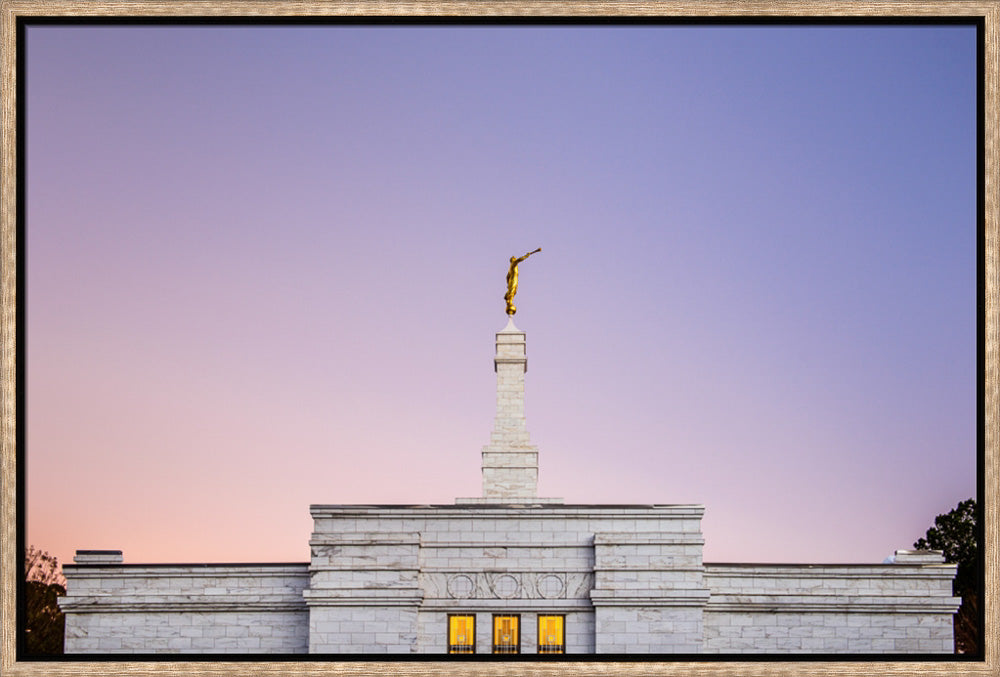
512,281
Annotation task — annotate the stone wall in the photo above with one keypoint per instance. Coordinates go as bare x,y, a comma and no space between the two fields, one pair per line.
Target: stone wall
649,592
628,579
363,592
905,607
112,607
381,567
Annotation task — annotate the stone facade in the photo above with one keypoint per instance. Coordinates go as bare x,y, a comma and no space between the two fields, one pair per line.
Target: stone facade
417,564
904,607
389,590
616,580
196,608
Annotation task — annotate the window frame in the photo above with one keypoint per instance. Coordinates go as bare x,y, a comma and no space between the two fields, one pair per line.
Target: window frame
517,638
451,648
562,646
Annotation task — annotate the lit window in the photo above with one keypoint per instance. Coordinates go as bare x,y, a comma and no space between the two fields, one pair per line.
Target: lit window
550,634
506,634
461,634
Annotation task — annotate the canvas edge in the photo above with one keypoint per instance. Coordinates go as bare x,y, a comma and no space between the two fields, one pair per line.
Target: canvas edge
10,10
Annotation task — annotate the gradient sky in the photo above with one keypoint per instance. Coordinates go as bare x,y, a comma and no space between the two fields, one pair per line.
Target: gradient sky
265,266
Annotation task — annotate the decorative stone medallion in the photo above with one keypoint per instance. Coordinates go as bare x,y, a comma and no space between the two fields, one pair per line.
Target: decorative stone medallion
506,586
551,586
461,586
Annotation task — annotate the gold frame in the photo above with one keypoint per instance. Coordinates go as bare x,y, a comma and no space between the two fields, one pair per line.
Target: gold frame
10,10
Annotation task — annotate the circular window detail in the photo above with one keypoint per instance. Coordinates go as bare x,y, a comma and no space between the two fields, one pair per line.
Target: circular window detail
506,586
461,586
551,586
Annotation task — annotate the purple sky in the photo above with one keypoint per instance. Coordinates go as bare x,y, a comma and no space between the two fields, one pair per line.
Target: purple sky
265,267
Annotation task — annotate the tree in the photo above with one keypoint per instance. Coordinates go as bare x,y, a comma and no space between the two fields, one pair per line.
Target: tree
954,533
44,622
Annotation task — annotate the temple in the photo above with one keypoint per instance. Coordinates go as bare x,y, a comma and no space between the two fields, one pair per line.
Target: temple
509,573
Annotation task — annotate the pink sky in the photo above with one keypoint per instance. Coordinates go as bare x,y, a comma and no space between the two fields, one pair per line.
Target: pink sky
265,267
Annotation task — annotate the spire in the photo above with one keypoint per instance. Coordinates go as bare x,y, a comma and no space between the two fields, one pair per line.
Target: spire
510,461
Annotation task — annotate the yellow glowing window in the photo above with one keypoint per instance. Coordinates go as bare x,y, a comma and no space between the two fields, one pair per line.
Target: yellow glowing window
506,634
550,634
461,634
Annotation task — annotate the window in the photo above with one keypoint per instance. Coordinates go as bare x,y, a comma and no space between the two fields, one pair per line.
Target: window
507,634
461,634
550,634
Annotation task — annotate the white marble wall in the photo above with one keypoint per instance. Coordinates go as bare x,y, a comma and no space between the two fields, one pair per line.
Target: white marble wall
363,592
629,580
551,559
905,607
369,629
115,608
186,631
649,592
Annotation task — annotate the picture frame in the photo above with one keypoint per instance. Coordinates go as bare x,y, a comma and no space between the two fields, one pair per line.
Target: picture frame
11,287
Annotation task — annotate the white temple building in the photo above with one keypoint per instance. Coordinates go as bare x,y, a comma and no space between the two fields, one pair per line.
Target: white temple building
508,572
